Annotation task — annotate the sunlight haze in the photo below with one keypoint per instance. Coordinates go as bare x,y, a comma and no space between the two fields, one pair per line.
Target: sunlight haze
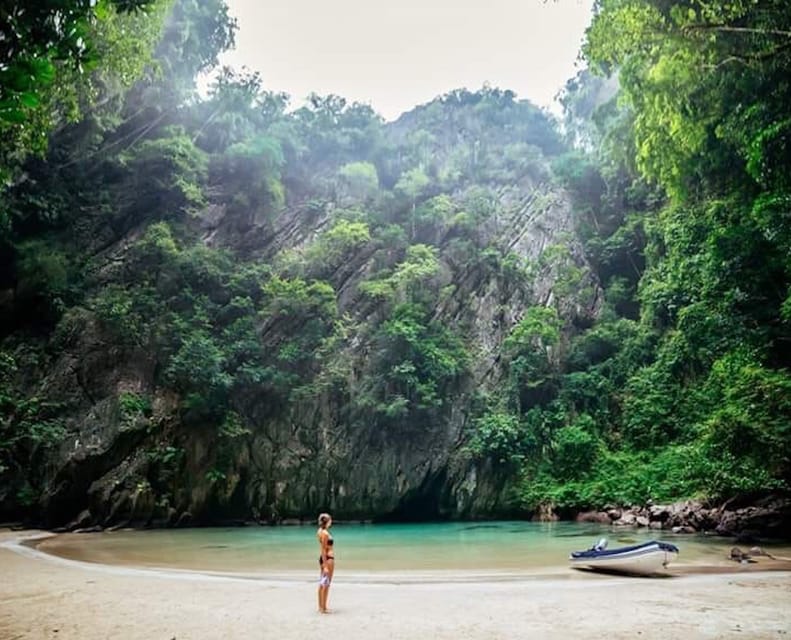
395,56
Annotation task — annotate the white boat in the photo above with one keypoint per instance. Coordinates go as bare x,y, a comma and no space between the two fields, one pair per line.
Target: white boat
641,559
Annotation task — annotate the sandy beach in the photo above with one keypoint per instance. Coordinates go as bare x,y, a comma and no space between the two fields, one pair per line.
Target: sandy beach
46,597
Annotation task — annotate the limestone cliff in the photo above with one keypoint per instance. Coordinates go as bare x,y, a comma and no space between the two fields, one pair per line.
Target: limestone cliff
135,449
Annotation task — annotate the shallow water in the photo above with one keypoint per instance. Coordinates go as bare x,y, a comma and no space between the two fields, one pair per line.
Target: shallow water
505,546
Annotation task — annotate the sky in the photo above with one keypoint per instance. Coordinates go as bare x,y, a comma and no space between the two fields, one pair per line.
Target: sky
395,55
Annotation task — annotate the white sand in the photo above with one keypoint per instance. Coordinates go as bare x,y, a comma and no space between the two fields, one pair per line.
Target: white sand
46,597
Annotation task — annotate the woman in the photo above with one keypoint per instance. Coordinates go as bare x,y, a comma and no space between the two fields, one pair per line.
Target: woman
326,559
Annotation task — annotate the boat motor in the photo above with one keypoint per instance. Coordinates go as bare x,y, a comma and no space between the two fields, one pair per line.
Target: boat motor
601,545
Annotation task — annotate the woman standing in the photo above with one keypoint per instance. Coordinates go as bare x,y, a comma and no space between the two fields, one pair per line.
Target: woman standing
326,559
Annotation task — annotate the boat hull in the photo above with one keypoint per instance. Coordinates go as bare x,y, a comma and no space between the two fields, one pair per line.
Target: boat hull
648,559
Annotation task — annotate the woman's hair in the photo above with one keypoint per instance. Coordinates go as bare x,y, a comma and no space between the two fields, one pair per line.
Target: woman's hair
324,518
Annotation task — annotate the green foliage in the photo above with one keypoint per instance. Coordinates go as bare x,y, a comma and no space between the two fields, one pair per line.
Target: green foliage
538,329
532,357
748,427
198,365
43,269
263,259
233,427
297,297
329,132
30,427
652,398
133,404
692,77
567,276
621,478
412,183
575,449
360,178
123,311
338,244
195,34
689,400
56,57
167,173
237,111
484,136
501,437
416,362
248,174
408,279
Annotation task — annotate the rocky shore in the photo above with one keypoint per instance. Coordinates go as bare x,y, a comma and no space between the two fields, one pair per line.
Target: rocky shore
768,517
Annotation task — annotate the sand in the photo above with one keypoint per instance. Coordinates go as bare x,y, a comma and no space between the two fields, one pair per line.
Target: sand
46,597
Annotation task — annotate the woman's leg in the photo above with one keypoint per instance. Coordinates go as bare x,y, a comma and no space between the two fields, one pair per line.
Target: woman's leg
322,590
329,570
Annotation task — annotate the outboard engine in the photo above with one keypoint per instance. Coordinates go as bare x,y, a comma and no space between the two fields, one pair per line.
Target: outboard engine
601,545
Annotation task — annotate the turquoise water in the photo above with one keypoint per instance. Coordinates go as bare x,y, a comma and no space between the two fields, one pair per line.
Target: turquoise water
508,546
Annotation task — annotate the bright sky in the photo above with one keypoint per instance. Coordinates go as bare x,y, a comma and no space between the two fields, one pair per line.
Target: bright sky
395,55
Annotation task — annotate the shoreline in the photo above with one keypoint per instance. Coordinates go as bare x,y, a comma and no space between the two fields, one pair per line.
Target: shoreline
44,596
28,545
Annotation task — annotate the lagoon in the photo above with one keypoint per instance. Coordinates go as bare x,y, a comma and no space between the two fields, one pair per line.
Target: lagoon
475,548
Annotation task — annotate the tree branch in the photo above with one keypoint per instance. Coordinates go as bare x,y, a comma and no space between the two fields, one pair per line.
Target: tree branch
725,28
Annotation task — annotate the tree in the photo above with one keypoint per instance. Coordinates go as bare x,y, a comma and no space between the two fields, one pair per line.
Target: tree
691,73
360,178
55,58
411,185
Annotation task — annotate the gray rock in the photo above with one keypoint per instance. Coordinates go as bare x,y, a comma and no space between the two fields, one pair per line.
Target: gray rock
627,520
593,516
659,512
82,521
684,529
94,529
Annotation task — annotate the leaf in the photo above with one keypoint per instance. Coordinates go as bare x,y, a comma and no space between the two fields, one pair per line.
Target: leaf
15,116
43,70
29,100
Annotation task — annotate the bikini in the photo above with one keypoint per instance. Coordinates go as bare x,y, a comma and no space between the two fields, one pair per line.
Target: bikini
330,542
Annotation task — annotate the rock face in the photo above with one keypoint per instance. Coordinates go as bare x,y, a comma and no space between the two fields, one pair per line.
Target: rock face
154,466
768,517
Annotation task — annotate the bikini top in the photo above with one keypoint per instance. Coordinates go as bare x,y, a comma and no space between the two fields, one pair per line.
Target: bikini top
330,541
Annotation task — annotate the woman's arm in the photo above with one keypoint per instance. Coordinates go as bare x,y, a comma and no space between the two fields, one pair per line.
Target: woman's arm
323,537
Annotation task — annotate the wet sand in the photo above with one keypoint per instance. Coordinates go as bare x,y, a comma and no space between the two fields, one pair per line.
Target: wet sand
46,597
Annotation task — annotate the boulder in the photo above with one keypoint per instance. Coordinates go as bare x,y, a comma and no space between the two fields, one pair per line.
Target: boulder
684,529
599,517
93,529
82,521
770,517
659,512
628,519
